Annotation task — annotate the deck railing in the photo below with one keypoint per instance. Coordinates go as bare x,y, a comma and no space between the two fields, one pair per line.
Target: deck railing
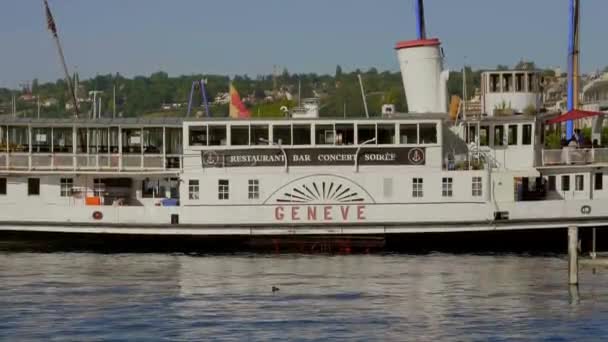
575,156
89,162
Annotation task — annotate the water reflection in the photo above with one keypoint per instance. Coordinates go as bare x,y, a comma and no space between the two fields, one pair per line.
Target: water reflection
397,297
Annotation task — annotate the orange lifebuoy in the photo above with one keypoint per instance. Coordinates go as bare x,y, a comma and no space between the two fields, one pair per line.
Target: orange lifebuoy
97,215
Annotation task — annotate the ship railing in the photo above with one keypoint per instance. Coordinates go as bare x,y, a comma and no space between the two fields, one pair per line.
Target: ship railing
89,162
574,156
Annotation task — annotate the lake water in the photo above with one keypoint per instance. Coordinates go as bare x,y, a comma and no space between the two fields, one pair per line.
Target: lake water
87,297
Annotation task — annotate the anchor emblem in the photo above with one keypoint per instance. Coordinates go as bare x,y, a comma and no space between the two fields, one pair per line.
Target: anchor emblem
416,156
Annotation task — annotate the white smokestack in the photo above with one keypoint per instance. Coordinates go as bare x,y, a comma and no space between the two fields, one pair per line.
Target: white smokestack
424,79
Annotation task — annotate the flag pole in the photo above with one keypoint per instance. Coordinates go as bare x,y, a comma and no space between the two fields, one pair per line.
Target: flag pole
53,28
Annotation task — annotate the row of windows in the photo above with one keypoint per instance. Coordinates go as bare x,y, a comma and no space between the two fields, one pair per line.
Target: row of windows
447,187
500,138
324,134
223,189
33,187
579,182
253,189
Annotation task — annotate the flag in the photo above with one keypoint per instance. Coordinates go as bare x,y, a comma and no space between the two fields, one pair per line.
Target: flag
50,22
237,108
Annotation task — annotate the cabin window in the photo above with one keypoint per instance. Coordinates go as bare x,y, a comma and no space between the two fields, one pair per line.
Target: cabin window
173,140
223,189
254,189
386,134
153,140
3,186
494,83
325,134
98,187
152,189
484,136
345,134
239,135
532,86
282,134
472,134
499,135
579,183
477,188
66,186
527,135
447,189
428,133
198,135
62,140
552,183
33,186
193,189
599,181
387,187
408,134
217,136
131,141
512,135
417,187
18,140
365,133
520,82
259,135
565,183
301,135
507,82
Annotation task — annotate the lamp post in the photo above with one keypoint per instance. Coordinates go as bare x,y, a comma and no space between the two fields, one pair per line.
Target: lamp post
278,144
359,150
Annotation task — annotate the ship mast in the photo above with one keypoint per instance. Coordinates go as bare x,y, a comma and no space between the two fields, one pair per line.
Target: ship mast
573,63
420,23
53,28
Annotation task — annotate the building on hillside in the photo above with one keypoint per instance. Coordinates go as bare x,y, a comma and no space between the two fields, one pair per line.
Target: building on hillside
595,94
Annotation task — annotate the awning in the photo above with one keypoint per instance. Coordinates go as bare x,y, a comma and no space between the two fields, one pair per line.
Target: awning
573,115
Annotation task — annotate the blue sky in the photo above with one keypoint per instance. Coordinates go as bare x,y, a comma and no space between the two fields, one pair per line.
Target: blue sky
137,37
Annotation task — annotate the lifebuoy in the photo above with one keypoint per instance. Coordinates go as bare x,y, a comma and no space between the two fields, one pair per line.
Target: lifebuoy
97,215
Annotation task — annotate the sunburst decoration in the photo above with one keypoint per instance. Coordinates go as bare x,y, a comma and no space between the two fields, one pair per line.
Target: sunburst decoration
321,192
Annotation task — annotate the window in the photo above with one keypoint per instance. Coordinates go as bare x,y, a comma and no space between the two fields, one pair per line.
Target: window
198,136
217,135
507,82
33,186
417,188
447,189
223,189
408,134
387,187
152,189
2,186
477,189
66,187
494,83
386,134
565,183
428,133
579,183
193,189
345,134
259,134
254,189
472,134
527,135
239,135
98,187
512,135
520,82
282,134
301,135
484,136
325,134
552,183
365,133
599,182
499,135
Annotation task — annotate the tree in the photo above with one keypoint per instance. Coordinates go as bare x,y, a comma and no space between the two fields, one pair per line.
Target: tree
338,74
